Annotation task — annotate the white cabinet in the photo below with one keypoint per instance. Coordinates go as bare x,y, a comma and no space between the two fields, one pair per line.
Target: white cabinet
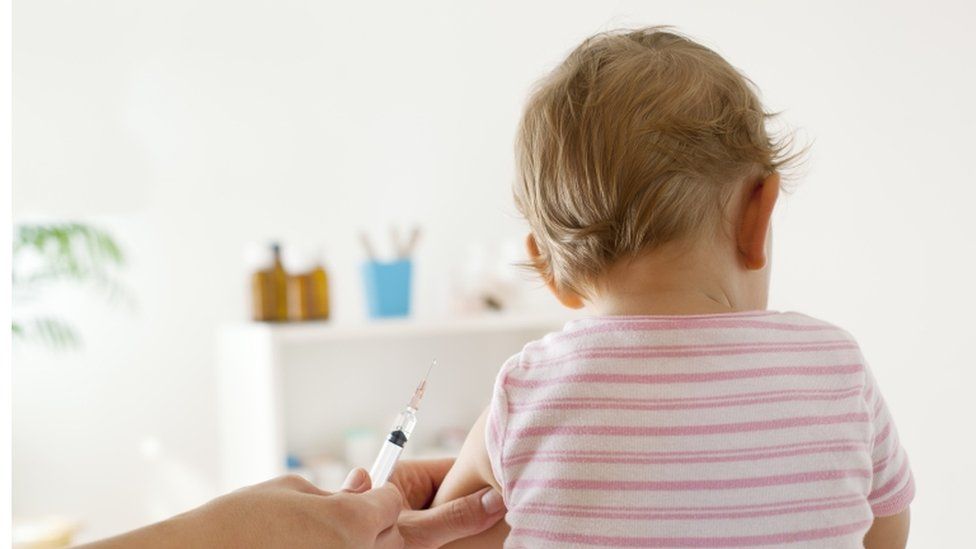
299,388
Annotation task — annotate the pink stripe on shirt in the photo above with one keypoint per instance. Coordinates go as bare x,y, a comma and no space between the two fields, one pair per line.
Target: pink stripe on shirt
646,459
702,377
683,485
671,514
724,541
766,397
684,430
683,351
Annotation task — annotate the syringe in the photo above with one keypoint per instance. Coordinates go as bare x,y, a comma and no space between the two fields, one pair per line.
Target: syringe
402,429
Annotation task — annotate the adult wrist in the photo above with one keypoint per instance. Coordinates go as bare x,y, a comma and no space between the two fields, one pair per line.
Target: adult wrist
179,531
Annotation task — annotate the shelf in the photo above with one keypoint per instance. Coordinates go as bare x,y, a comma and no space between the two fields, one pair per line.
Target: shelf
276,396
302,332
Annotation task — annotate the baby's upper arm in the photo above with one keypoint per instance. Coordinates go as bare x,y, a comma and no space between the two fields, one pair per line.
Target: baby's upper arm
888,532
472,470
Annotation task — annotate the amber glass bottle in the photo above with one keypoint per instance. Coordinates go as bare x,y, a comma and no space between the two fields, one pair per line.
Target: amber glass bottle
278,286
319,292
259,262
298,301
262,304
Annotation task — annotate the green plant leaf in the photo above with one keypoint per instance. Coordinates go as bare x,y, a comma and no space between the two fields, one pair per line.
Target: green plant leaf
50,332
64,252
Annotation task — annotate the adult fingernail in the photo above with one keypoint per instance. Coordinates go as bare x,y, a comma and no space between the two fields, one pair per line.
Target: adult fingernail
491,502
355,480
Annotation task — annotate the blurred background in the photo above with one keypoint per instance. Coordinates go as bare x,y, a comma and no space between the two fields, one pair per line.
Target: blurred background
161,147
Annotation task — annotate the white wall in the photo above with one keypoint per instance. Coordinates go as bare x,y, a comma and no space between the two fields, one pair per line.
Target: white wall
190,128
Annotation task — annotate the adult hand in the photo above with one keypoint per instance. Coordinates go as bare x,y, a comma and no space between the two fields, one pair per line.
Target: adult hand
287,512
424,528
290,512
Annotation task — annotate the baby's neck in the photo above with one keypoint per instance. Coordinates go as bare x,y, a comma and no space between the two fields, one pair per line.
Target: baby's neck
679,282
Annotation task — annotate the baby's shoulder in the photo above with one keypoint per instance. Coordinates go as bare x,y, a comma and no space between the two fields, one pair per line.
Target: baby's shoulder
805,321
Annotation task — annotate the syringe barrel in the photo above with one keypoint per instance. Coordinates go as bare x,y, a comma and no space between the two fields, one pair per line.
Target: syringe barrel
385,462
393,447
406,421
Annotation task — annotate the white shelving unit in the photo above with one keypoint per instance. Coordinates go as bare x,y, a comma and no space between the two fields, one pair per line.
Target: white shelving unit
299,388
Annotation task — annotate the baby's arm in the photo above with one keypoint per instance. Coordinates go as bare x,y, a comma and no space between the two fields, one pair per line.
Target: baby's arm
889,532
472,472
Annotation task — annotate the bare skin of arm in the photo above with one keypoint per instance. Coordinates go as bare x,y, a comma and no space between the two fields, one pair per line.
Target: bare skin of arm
889,532
290,512
472,472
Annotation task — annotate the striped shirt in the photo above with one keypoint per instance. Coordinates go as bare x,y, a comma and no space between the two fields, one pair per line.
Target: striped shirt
731,430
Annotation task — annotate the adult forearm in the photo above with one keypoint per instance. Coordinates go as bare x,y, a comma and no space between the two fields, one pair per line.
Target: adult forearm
178,531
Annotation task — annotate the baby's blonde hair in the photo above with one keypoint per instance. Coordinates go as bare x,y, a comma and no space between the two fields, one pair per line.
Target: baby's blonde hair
637,139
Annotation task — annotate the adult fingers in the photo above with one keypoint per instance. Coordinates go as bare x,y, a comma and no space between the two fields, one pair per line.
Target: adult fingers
456,519
418,480
296,483
357,481
362,517
390,539
380,507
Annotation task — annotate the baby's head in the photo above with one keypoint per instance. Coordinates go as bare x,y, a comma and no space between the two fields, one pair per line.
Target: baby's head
643,141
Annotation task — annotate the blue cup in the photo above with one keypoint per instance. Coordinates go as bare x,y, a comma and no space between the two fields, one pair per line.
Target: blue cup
388,287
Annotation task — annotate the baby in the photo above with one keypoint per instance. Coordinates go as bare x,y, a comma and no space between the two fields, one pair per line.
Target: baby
683,414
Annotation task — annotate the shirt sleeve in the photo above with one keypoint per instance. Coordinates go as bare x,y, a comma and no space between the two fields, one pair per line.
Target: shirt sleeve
496,424
892,485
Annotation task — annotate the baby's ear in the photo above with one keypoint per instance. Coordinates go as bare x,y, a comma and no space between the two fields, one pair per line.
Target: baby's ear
754,220
569,299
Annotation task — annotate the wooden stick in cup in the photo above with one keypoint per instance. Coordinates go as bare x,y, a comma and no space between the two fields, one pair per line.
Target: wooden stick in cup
412,241
367,245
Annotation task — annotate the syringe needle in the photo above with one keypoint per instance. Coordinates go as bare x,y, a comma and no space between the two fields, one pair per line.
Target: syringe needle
421,387
402,429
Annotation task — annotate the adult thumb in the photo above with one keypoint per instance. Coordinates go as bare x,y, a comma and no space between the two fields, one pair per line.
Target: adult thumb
357,481
461,518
